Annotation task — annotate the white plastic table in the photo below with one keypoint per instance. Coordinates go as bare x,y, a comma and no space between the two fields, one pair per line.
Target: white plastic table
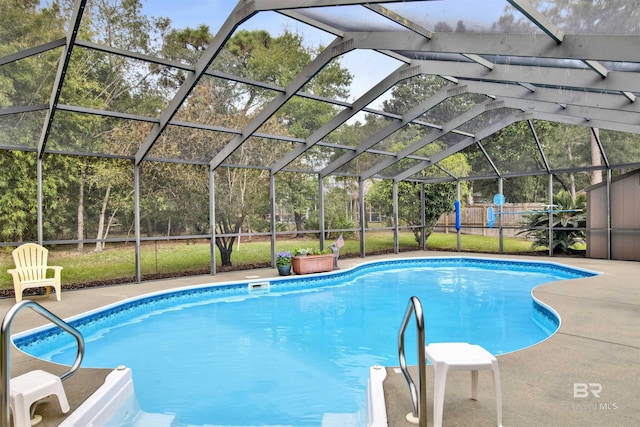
460,356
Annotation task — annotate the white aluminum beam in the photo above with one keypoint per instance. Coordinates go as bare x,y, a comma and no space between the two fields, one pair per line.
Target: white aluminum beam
612,48
479,60
23,109
63,65
539,19
597,67
551,77
312,22
300,4
564,96
588,113
577,121
401,20
32,51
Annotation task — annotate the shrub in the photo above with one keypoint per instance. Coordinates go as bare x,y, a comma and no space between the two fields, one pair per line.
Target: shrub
568,215
311,251
283,259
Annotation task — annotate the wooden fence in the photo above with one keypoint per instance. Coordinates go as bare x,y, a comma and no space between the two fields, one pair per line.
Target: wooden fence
473,219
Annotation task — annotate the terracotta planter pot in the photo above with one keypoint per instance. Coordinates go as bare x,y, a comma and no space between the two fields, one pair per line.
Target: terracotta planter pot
312,263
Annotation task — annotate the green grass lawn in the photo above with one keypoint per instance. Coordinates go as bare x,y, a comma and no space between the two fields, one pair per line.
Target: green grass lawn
117,263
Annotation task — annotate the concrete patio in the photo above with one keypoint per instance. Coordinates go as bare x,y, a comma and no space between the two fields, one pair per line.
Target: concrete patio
598,345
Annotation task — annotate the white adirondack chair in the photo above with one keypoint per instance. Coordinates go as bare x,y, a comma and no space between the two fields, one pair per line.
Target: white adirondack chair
31,270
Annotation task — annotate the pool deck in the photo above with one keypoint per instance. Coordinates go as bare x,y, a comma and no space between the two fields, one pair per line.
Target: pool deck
596,352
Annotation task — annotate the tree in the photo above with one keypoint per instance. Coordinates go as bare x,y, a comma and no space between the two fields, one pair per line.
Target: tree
114,177
25,24
110,82
93,80
439,198
278,62
569,214
240,193
513,149
18,196
410,92
337,211
236,195
298,192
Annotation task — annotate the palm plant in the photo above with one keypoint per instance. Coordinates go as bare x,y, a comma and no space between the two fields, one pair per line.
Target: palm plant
569,221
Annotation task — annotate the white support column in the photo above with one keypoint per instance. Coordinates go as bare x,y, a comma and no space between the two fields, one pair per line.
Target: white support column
550,215
458,232
212,222
272,200
423,218
395,218
609,255
39,201
363,222
321,213
501,234
136,214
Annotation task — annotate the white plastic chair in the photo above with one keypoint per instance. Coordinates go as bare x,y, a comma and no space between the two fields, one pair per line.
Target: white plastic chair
460,356
31,270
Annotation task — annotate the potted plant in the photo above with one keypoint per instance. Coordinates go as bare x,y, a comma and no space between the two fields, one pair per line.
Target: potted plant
283,263
310,260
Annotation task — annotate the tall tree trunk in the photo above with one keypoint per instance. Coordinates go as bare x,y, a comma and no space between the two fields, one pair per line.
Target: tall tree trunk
299,220
249,238
149,224
103,213
81,213
596,157
225,246
106,230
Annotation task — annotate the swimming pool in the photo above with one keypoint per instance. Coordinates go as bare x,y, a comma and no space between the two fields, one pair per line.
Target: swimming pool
297,352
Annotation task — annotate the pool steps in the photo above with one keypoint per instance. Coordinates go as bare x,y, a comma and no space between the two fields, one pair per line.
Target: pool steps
376,408
114,404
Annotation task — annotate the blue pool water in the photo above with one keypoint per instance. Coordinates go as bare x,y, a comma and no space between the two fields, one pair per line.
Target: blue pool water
221,355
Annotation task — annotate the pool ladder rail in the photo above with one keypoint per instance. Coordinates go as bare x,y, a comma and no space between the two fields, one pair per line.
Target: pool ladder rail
5,352
418,394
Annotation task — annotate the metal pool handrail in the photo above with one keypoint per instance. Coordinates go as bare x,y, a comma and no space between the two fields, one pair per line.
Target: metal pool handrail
418,395
5,351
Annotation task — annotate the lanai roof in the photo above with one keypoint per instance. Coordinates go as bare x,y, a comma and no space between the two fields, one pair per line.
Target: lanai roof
511,60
